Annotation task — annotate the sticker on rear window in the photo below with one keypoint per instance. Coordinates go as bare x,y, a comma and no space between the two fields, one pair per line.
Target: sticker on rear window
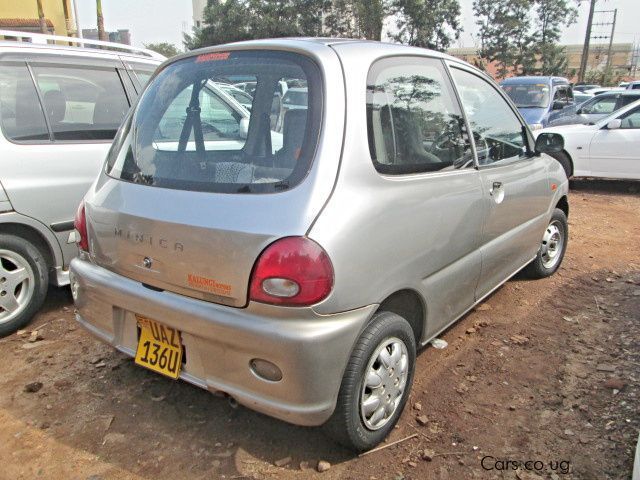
212,57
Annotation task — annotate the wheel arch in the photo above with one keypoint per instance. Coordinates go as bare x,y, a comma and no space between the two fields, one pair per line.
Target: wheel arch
36,237
410,305
563,204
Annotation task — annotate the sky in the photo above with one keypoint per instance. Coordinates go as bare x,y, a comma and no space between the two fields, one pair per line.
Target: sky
165,20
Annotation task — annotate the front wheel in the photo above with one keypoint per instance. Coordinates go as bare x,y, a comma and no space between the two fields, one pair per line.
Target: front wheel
376,383
552,247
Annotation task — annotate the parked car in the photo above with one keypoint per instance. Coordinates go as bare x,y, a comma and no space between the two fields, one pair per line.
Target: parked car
60,108
240,96
539,99
601,90
597,108
301,282
295,99
579,97
634,85
623,84
584,86
608,149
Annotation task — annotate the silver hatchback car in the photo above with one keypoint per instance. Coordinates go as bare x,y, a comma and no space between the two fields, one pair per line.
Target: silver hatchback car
299,277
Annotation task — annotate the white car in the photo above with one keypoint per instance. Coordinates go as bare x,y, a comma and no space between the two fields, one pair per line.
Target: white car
609,149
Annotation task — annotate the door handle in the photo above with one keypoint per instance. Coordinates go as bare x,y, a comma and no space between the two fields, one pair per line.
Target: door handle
496,186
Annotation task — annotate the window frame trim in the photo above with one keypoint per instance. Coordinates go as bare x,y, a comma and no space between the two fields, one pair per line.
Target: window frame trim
448,80
52,140
24,63
530,153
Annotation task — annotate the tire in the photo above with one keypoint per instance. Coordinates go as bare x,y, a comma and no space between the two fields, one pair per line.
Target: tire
23,278
350,425
545,264
564,160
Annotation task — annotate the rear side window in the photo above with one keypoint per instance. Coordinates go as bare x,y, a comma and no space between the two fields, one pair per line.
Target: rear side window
497,131
414,123
20,111
601,105
188,134
81,103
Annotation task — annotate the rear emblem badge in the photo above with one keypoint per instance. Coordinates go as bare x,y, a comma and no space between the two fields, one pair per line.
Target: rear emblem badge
147,262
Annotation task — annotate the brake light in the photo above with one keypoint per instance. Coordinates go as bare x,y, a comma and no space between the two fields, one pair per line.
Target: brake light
80,224
292,271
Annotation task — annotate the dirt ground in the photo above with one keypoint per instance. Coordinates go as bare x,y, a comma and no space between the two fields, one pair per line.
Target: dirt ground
544,371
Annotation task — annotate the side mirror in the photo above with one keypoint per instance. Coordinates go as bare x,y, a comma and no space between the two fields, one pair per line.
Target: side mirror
549,143
614,124
243,131
558,105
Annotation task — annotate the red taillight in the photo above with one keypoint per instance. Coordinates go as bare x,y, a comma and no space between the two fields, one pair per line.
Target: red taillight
292,271
80,224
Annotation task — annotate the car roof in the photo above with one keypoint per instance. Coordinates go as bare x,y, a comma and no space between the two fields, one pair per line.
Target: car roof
305,43
528,80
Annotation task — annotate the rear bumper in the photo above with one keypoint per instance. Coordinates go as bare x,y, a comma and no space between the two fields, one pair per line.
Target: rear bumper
311,350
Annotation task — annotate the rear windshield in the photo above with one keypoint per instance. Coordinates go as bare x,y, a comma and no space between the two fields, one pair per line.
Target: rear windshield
188,133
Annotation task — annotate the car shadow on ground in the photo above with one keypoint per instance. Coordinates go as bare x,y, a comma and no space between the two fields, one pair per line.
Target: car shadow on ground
606,187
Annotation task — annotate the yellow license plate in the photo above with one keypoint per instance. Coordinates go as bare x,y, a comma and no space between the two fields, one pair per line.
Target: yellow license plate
159,347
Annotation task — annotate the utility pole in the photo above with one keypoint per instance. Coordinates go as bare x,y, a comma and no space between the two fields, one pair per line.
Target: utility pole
613,29
587,39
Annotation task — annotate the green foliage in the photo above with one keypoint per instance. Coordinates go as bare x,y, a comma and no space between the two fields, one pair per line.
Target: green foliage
427,23
522,36
163,48
236,20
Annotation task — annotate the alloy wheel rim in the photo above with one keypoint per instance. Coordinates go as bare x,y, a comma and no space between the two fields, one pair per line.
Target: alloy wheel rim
384,383
552,243
17,284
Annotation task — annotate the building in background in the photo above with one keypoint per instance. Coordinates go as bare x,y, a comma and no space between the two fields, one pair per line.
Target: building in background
119,36
623,59
198,12
22,15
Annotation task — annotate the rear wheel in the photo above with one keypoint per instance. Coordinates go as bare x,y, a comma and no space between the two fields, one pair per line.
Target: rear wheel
552,247
376,383
564,160
23,282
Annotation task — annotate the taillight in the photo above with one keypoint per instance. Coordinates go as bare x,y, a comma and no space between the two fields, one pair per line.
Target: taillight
292,271
80,224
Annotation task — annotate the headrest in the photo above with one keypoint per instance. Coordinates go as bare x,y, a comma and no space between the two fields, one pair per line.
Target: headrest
55,104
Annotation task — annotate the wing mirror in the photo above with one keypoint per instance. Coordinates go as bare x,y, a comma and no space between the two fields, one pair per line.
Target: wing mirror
558,105
614,124
549,143
243,130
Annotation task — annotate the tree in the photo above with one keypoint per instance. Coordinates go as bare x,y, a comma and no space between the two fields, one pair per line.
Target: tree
522,36
504,38
41,19
163,48
102,35
427,23
550,16
237,20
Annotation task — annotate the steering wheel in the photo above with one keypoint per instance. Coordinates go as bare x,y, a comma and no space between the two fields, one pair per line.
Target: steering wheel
443,142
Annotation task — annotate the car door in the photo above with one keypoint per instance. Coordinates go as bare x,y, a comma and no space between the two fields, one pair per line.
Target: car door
597,108
515,183
563,97
424,189
615,153
77,104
